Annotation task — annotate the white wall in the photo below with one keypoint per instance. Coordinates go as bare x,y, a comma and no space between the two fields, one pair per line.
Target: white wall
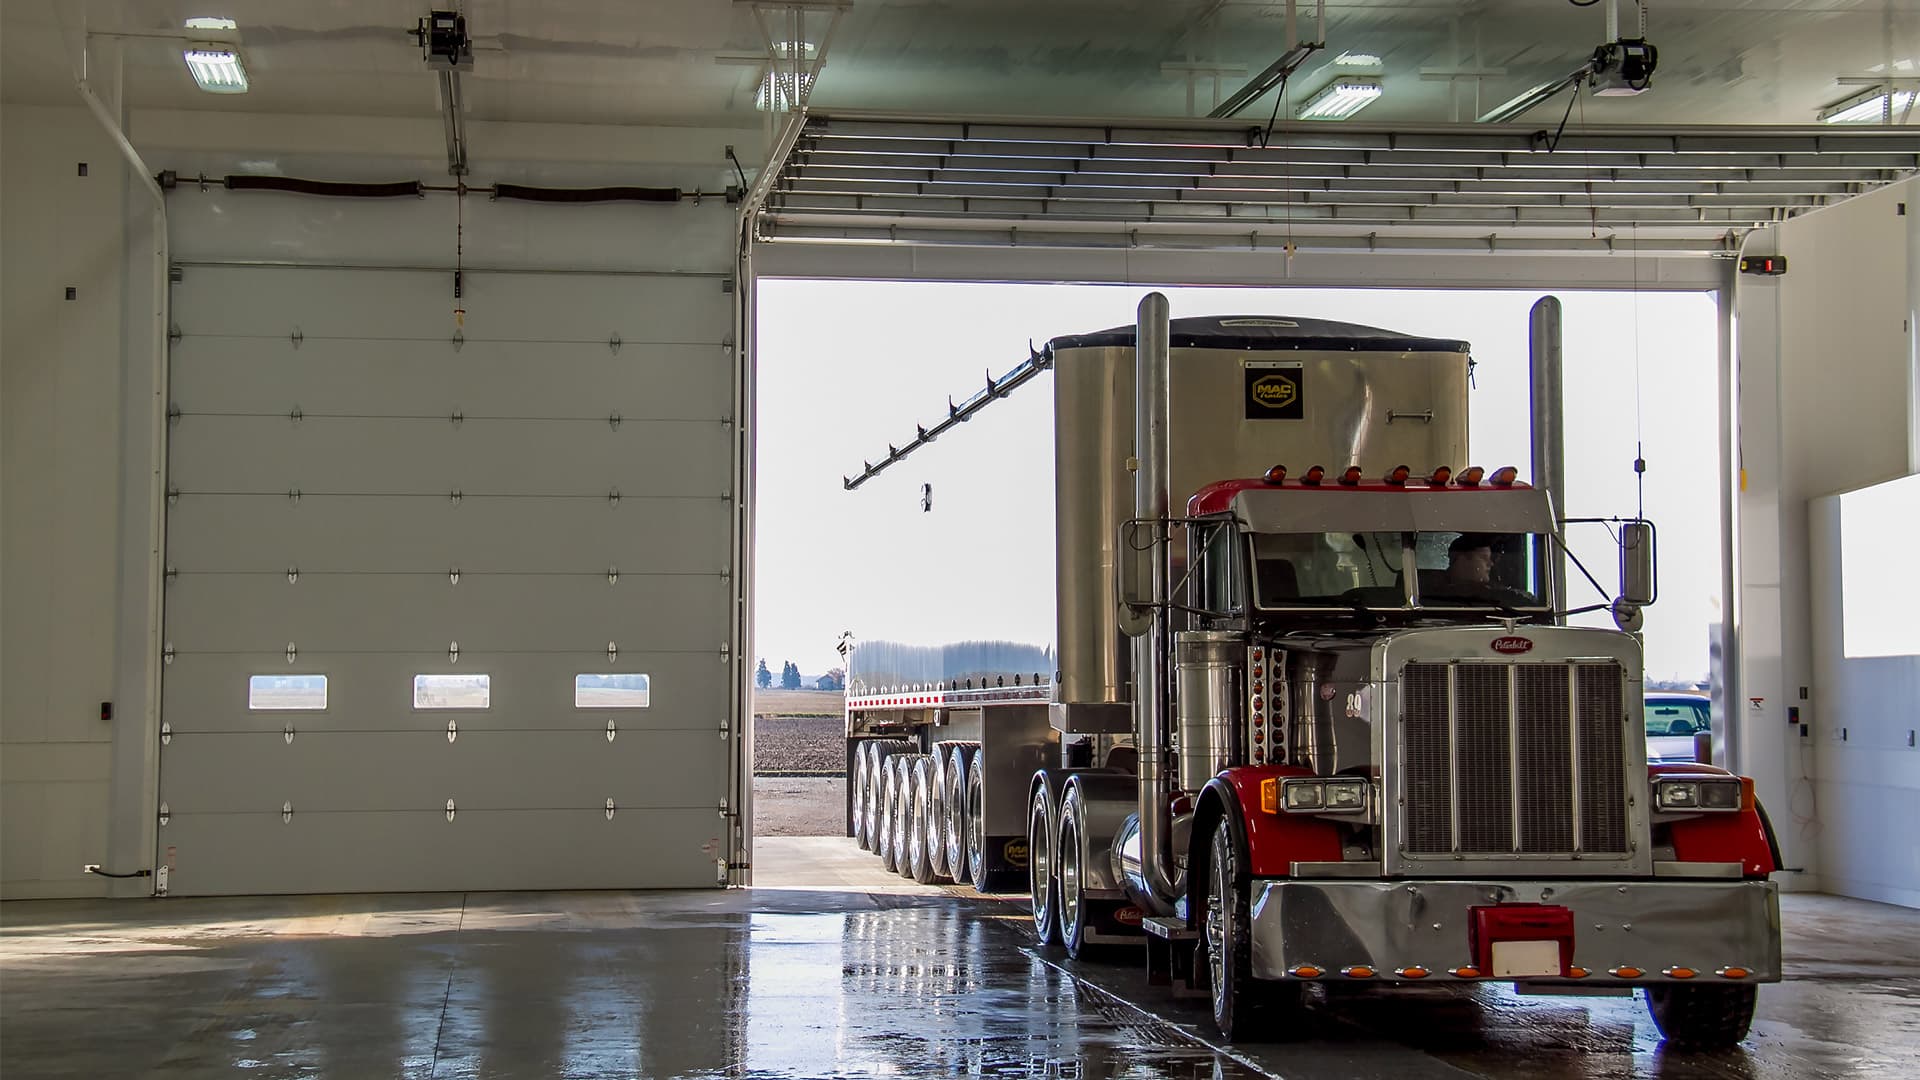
60,472
1824,406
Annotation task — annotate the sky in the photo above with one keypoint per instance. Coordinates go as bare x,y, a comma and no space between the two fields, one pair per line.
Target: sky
845,368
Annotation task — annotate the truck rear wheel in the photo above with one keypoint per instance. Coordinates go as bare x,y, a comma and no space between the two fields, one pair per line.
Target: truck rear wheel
1243,1007
1702,1017
861,761
937,812
899,842
959,760
919,857
889,810
982,877
1042,887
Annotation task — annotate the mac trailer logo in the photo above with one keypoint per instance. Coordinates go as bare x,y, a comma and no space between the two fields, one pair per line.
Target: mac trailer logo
1512,644
1274,391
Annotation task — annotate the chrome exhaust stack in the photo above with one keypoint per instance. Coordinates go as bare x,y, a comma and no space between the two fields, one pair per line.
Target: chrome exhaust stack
1549,428
1152,420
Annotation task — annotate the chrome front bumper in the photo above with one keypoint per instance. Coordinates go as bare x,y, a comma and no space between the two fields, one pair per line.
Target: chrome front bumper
1390,926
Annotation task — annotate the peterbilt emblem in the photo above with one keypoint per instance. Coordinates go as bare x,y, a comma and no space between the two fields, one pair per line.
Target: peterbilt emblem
1512,644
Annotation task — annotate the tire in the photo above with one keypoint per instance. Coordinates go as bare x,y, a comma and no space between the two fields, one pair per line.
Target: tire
860,779
889,810
920,853
937,813
958,760
878,753
1043,889
1068,845
900,844
1702,1017
981,877
1243,1007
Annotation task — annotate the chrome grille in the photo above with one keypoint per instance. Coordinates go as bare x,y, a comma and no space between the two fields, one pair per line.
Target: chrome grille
1503,759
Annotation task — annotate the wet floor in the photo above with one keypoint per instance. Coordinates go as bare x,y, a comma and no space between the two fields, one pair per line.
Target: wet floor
805,982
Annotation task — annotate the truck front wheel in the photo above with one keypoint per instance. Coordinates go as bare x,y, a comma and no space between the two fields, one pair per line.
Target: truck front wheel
1243,1007
1702,1017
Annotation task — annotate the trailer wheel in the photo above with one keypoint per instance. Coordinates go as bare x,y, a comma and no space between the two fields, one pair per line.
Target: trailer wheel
889,810
860,764
1042,887
1702,1017
1243,1007
956,828
902,839
982,877
937,812
920,857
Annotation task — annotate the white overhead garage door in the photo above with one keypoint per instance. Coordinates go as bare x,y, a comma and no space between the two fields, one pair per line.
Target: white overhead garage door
448,610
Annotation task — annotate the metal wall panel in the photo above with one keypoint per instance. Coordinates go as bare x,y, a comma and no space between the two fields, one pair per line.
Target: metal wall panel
363,489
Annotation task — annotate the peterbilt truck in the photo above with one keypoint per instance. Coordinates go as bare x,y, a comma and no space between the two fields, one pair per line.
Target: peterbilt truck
1313,714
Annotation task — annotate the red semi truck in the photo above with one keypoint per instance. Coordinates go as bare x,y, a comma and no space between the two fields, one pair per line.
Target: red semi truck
1312,713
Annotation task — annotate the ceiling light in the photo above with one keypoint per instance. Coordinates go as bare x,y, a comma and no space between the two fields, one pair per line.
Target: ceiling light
211,23
1340,99
217,71
1869,107
1357,60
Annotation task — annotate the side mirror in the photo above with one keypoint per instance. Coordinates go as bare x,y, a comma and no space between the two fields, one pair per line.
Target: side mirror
1638,585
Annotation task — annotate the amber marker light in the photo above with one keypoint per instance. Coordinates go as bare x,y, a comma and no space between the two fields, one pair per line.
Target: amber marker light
1270,795
1314,476
1351,478
1679,973
1625,972
1440,477
1465,971
1733,973
1470,476
1577,973
1415,972
1306,971
1357,971
1277,475
1398,477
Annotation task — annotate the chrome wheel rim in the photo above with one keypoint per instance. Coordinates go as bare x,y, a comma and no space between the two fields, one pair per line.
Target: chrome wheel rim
976,832
1070,874
1039,864
1216,931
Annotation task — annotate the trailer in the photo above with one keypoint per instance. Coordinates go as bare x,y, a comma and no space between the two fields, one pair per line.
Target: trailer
1313,713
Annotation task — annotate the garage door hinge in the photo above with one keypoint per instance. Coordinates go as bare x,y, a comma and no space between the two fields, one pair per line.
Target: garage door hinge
166,653
455,418
296,337
723,808
610,808
173,412
613,495
173,333
613,575
612,730
293,652
613,421
293,575
287,732
173,496
175,274
453,730
293,494
286,813
614,343
166,815
727,343
727,285
453,652
166,733
459,338
171,573
453,575
296,415
613,652
451,810
726,652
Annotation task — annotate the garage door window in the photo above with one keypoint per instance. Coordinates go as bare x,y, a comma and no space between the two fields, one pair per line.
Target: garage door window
279,693
452,691
630,691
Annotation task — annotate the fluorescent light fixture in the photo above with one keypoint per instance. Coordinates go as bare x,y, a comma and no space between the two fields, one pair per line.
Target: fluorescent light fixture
1367,60
216,70
777,91
211,23
1868,108
1340,99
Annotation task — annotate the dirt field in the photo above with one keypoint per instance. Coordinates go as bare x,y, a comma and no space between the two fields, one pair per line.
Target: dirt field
799,703
799,805
799,744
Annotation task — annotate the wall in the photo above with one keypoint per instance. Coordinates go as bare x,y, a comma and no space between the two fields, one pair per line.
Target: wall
60,469
1824,406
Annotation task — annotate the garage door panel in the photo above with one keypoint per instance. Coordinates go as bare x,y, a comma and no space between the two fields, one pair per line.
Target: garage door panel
433,456
207,692
323,534
413,305
482,378
224,854
409,613
327,771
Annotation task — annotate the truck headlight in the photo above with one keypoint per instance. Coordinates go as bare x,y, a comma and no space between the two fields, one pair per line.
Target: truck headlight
1697,793
1305,794
1348,795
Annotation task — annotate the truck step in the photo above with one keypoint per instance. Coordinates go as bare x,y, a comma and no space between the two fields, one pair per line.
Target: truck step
1171,929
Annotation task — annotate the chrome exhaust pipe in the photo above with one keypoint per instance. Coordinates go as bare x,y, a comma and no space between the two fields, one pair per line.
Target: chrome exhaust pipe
1549,429
1152,418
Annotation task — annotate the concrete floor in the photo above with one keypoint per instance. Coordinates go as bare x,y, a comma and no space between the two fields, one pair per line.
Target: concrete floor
827,968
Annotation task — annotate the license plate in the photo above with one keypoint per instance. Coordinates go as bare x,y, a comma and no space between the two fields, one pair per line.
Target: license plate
1518,959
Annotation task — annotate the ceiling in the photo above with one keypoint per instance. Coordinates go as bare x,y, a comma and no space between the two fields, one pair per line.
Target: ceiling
700,61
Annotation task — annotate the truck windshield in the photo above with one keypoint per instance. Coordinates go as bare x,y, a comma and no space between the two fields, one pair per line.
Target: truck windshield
1452,570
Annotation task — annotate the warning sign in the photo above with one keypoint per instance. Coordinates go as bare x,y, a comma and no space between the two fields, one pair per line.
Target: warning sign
1275,391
